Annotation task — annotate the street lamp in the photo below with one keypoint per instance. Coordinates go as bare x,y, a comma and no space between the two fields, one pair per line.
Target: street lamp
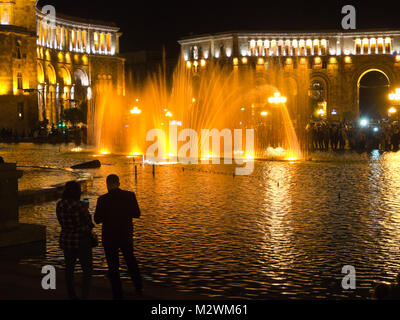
395,98
136,111
277,99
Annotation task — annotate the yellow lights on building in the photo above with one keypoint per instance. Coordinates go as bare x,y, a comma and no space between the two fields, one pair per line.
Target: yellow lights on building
244,60
317,60
67,58
235,61
347,59
260,61
289,61
303,61
203,63
392,110
397,58
89,93
264,113
188,64
332,60
195,64
277,99
85,60
169,114
395,96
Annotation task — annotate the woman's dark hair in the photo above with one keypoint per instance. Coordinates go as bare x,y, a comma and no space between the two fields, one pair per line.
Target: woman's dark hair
72,191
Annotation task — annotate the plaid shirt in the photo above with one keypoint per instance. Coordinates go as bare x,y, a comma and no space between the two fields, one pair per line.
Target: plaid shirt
75,221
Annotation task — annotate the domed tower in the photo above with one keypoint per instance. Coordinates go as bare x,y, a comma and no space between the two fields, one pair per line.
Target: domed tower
25,14
18,65
21,13
7,9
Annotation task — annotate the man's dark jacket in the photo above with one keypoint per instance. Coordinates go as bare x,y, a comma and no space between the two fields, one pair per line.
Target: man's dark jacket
115,210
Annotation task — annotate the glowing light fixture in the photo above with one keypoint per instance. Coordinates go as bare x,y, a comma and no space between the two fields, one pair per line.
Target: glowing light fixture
169,114
364,123
392,110
136,110
244,60
264,113
277,99
395,96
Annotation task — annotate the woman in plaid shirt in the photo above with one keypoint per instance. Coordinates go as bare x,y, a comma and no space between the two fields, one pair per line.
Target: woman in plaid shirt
75,238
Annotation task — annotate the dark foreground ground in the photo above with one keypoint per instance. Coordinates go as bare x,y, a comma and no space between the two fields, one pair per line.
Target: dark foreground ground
23,282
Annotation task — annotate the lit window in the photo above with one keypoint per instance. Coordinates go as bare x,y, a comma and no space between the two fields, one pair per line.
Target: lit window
21,111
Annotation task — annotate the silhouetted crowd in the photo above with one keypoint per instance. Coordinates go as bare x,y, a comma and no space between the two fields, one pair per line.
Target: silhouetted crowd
388,292
47,135
360,137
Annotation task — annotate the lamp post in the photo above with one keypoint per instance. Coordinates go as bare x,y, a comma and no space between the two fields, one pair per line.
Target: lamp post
395,98
277,100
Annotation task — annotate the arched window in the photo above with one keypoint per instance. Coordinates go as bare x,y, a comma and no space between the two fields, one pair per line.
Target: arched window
19,52
5,17
20,82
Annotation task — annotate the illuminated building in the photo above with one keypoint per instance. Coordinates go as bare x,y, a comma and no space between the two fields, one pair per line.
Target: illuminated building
327,65
48,67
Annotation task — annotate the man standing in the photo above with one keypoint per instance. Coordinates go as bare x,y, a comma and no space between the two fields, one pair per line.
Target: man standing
115,211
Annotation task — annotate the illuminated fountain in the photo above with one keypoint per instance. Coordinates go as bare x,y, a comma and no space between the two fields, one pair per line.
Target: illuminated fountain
200,96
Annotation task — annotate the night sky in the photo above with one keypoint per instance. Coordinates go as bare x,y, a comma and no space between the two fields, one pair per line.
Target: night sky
151,24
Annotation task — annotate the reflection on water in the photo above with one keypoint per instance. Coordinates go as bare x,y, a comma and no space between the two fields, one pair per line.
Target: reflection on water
284,232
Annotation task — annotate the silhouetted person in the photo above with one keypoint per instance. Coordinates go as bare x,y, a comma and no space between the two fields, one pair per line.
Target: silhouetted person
1,160
382,292
75,238
395,289
115,211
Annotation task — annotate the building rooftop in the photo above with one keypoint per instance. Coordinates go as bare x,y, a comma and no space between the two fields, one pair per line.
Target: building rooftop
61,16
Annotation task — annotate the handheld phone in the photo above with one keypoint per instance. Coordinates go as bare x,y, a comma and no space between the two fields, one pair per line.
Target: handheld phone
86,201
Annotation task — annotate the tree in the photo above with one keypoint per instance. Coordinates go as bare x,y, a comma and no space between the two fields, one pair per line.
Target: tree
77,115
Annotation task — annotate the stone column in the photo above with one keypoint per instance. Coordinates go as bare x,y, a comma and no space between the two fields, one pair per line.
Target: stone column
13,233
9,195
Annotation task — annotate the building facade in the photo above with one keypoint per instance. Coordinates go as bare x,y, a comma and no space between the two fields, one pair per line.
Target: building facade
47,66
324,66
